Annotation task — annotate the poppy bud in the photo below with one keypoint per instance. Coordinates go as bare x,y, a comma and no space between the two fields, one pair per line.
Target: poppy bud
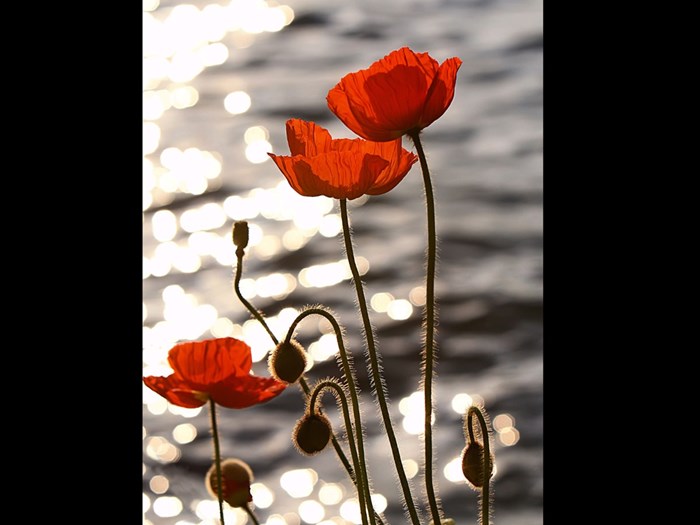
473,465
236,476
287,361
240,234
311,434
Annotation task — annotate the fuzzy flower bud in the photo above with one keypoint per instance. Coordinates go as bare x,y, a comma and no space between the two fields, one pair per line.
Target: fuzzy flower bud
236,477
287,361
311,434
240,234
473,465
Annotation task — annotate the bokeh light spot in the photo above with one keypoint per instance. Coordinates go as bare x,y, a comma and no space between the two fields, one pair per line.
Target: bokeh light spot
167,506
237,102
299,483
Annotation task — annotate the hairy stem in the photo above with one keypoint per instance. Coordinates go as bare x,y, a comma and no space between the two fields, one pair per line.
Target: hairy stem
378,379
340,395
429,327
354,398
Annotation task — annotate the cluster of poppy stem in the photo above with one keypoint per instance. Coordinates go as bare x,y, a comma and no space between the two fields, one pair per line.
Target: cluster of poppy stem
400,94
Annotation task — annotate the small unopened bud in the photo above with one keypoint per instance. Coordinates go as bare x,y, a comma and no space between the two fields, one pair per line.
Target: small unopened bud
311,434
287,361
240,234
473,465
236,476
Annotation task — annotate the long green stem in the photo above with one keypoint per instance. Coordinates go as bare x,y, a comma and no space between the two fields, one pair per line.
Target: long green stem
240,252
349,374
217,459
377,378
485,510
340,395
429,327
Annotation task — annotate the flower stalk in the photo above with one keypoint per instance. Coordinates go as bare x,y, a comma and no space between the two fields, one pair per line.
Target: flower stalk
217,458
374,366
349,374
429,328
363,495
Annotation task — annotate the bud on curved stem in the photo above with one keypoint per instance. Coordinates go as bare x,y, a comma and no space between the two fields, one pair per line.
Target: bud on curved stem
349,375
478,460
236,477
347,366
240,235
312,421
287,361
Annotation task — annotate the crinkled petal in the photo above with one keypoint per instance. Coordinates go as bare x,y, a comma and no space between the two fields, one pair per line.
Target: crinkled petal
176,390
203,363
246,391
400,162
358,115
307,138
337,174
442,91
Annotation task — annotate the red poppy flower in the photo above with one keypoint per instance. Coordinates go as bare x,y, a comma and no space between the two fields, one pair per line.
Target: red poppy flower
217,369
340,168
400,93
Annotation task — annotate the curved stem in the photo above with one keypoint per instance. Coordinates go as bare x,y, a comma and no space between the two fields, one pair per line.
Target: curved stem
486,487
236,286
349,374
340,395
251,514
217,459
429,326
377,378
302,381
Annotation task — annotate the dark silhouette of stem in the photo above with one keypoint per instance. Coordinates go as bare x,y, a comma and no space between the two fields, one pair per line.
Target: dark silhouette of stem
251,514
217,458
378,379
340,393
429,327
354,398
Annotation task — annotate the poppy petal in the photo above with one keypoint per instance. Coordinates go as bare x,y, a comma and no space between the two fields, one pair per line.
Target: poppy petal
397,98
175,390
202,363
337,174
442,91
246,391
307,138
400,162
358,115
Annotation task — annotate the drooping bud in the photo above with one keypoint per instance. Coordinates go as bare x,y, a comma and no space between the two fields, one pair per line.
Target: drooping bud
311,434
240,234
287,361
473,465
236,477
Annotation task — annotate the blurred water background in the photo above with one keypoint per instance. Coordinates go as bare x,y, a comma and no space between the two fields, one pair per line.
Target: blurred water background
219,81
